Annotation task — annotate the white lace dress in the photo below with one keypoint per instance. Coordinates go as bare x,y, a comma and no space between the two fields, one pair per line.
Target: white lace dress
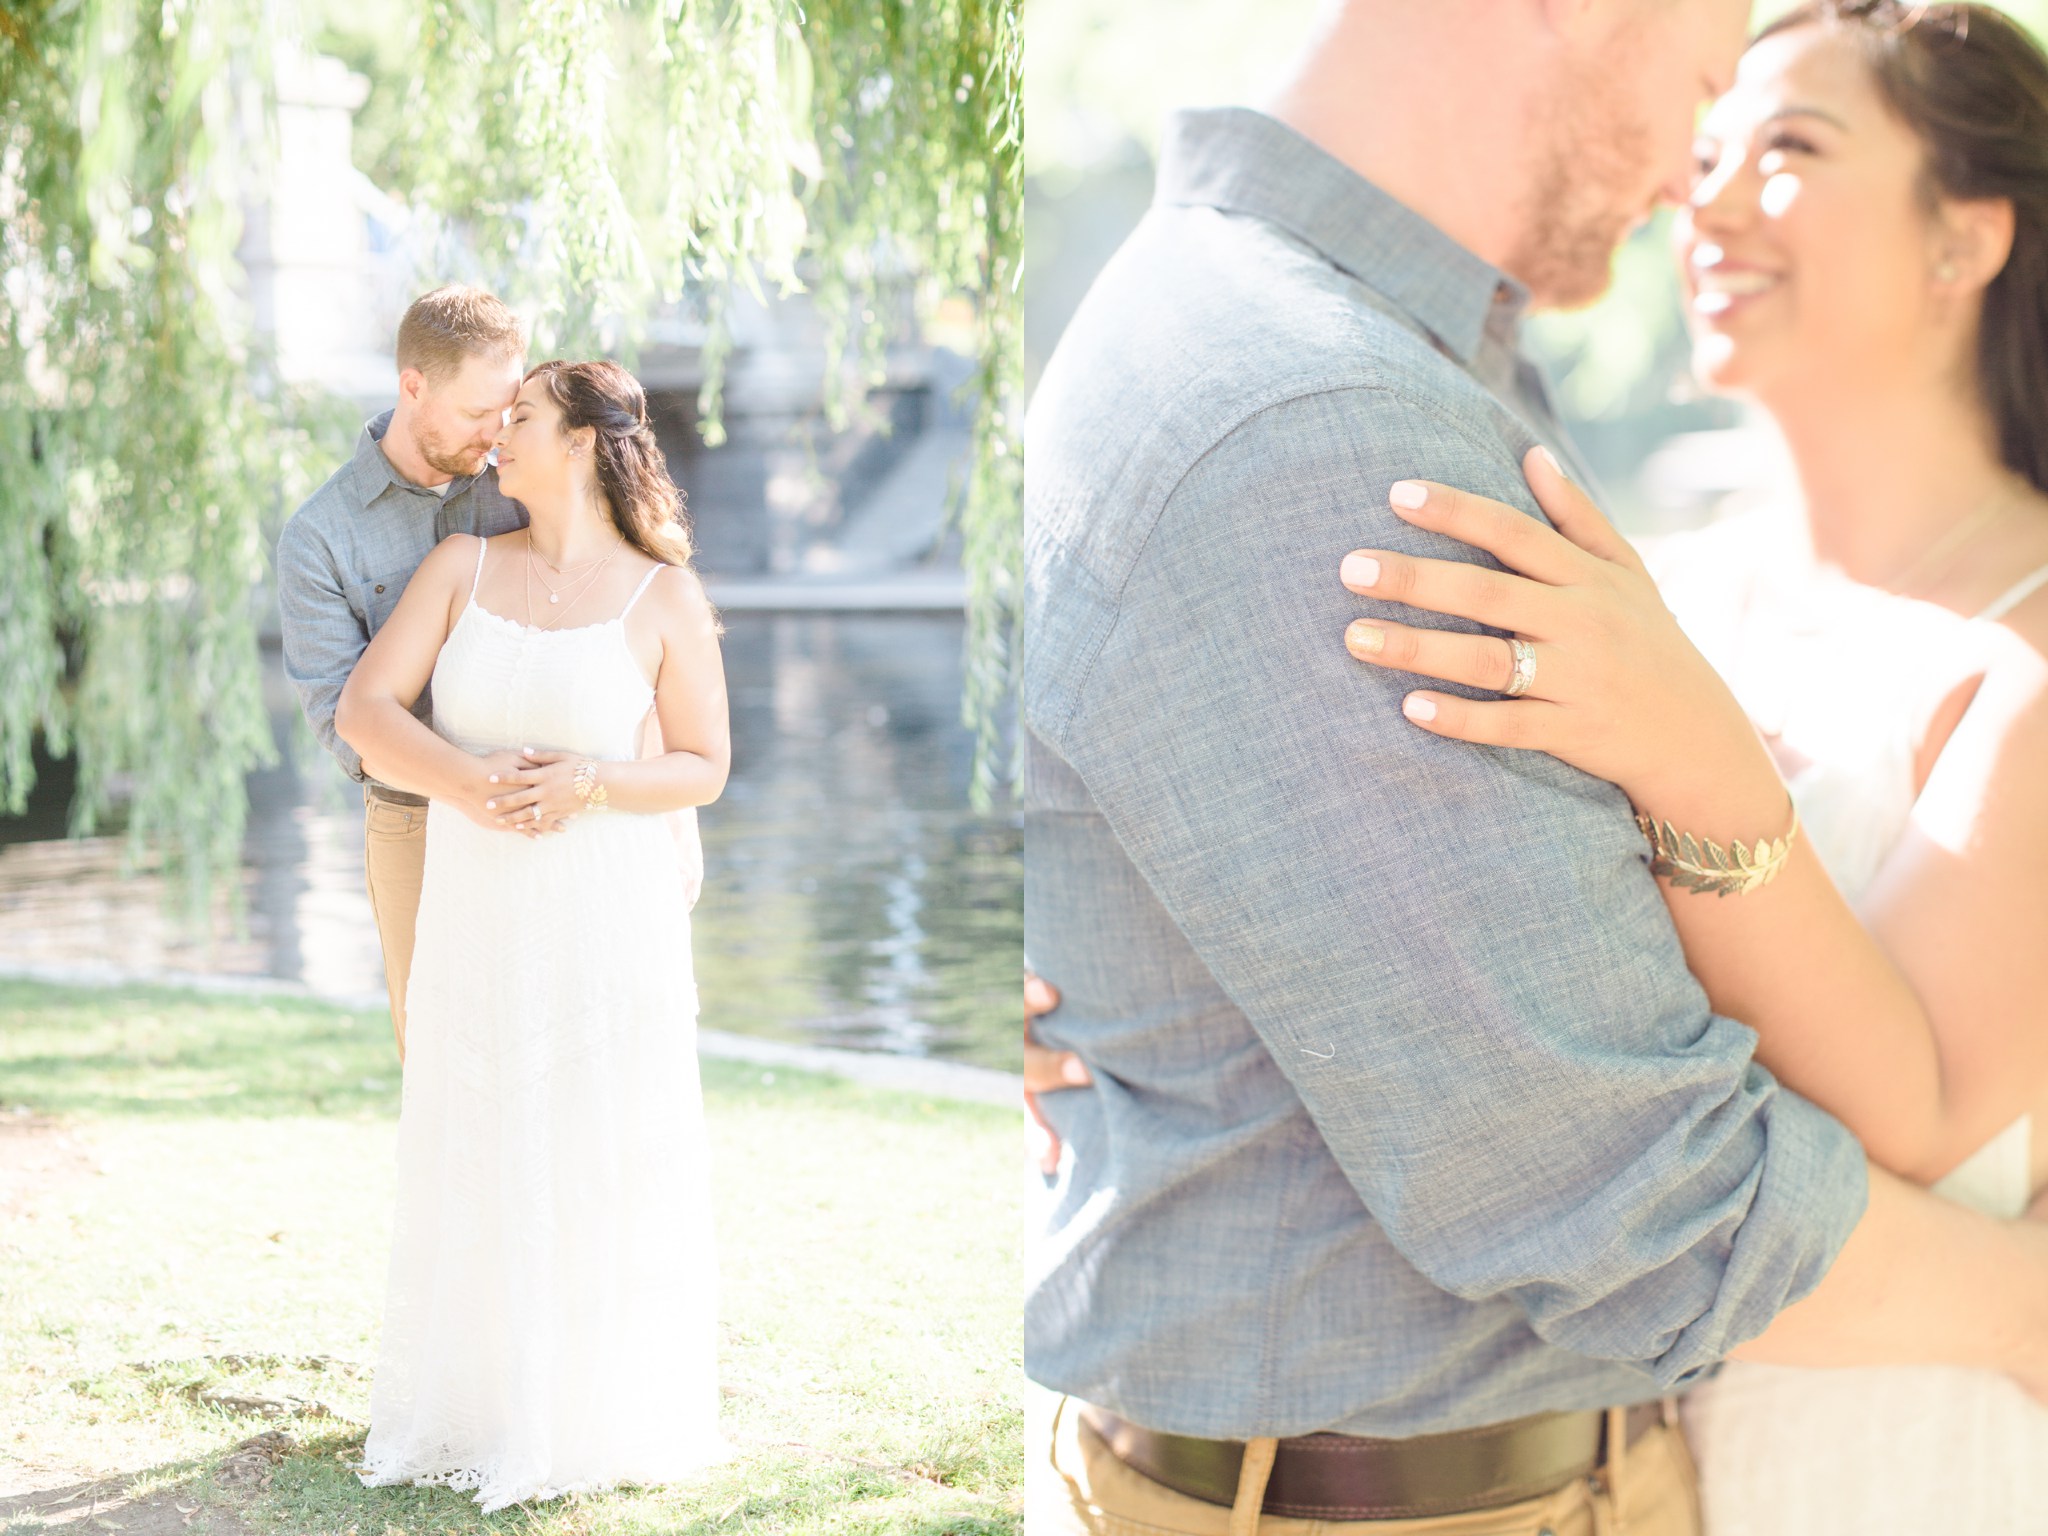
550,1315
1845,677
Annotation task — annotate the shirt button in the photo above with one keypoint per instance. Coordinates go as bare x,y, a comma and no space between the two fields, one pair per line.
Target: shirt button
380,586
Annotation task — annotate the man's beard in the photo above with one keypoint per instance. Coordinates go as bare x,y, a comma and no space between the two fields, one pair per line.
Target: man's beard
466,460
1583,187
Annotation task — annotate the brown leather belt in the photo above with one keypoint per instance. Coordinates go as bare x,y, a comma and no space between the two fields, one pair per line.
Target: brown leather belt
1352,1477
372,790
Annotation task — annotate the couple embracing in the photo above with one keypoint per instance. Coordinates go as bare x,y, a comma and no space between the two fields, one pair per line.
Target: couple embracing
550,1312
1528,986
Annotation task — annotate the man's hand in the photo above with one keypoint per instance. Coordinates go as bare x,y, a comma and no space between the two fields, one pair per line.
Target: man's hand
1045,1071
682,826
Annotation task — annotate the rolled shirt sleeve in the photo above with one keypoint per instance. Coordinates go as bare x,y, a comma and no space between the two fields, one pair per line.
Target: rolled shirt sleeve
1456,954
323,638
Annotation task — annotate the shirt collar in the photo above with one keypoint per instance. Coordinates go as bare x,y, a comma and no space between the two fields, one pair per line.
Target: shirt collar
374,473
1242,161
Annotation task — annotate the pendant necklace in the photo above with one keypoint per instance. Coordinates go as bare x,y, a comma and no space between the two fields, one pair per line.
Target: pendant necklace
554,592
554,596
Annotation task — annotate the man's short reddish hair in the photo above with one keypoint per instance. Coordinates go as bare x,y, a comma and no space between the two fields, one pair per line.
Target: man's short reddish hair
452,323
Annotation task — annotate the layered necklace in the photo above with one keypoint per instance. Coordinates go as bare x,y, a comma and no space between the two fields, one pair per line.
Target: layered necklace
1939,556
576,586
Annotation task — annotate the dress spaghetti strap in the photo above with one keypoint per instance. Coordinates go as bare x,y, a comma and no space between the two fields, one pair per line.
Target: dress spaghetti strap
644,580
482,544
2013,596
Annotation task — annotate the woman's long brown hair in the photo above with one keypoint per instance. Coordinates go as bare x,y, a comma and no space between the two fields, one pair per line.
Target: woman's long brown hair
632,472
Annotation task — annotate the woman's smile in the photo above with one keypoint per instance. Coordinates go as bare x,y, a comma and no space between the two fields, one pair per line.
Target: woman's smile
1723,286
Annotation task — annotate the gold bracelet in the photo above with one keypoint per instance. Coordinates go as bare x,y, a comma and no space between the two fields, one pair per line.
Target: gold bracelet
588,790
1702,867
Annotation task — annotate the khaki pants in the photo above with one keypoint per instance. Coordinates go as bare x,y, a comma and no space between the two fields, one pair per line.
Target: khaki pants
394,859
1074,1486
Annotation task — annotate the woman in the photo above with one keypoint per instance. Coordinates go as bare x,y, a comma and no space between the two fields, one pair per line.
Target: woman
1866,255
550,1320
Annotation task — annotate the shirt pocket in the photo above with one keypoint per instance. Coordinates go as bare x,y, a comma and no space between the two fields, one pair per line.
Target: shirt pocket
373,600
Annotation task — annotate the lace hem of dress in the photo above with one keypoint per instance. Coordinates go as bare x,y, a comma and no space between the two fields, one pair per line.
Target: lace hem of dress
496,1489
479,1480
503,1495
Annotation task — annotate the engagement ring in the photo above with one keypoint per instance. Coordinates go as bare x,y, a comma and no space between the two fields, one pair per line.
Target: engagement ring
1525,668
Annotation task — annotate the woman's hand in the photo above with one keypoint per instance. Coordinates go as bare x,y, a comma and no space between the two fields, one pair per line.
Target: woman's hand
1045,1071
539,794
1617,688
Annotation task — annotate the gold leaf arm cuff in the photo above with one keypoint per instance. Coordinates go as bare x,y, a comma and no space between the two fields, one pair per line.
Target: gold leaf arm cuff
1704,867
588,789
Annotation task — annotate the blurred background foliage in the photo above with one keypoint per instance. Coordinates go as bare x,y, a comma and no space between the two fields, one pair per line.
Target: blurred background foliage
140,452
589,159
1104,76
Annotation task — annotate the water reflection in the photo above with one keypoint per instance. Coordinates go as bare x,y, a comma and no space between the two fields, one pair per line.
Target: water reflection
851,897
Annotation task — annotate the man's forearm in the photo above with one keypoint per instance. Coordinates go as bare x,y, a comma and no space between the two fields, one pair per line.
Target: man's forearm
1923,1281
323,637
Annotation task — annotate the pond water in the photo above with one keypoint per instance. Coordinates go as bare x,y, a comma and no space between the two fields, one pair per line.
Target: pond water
851,897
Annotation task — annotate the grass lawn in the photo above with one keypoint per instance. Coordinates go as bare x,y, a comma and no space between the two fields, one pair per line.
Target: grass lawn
195,1195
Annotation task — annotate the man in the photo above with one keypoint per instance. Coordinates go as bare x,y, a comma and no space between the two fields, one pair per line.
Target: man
419,474
1415,1171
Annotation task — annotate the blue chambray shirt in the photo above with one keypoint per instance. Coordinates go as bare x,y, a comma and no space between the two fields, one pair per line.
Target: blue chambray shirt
1408,1115
344,558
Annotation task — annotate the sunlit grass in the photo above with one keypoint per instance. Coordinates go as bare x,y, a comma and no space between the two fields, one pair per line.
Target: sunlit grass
206,1237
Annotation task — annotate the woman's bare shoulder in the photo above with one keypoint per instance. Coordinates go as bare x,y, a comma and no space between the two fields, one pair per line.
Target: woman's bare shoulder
2020,641
455,556
2020,610
679,596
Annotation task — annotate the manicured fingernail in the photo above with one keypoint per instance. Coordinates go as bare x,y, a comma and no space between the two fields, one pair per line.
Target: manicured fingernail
1416,707
1408,493
490,805
494,778
527,750
1365,637
1550,459
1359,570
1074,1070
